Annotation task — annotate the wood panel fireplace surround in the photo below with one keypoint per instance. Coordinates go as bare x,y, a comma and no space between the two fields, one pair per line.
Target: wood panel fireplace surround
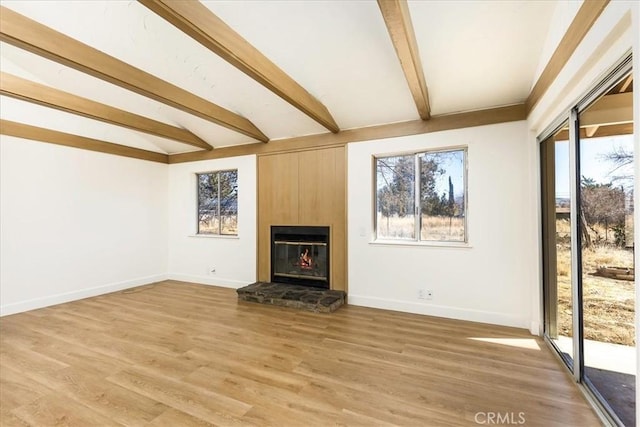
300,255
300,273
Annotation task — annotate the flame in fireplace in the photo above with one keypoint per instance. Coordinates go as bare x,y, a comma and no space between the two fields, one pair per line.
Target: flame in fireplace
306,261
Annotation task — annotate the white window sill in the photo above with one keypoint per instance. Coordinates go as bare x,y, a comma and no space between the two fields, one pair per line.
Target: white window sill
215,236
413,243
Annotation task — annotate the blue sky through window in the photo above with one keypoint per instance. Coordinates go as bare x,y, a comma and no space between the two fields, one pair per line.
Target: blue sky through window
593,164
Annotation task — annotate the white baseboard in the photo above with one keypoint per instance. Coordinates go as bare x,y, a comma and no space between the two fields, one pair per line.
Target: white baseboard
32,304
209,280
535,328
440,311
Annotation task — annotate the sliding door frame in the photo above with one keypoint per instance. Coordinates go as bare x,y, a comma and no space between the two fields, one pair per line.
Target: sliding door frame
576,364
576,244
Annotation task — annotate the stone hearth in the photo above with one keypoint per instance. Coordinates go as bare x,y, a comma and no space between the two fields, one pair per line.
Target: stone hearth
296,296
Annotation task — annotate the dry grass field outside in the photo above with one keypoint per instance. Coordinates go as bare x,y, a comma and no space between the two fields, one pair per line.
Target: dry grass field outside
441,228
434,228
609,304
210,226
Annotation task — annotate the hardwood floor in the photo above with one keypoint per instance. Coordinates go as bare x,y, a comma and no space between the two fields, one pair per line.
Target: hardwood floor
179,354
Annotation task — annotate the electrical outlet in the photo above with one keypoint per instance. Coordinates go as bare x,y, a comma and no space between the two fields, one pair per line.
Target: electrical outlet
422,294
212,270
428,294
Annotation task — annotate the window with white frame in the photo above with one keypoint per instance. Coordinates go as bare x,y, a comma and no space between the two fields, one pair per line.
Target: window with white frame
422,196
218,202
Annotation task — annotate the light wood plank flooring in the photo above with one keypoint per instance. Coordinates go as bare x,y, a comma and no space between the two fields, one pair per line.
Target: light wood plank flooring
179,354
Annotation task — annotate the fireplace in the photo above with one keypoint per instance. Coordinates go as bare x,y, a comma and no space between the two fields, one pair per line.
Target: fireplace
300,255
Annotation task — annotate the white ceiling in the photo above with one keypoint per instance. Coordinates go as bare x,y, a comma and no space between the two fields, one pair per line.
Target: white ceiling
475,54
479,54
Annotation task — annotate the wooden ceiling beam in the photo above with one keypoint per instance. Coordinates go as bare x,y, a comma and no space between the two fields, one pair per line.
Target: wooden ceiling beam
591,130
398,21
580,26
601,131
34,133
36,38
313,142
46,96
609,110
198,22
627,83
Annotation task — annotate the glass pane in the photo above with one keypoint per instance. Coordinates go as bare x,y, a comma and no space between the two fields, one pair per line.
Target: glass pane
229,201
301,260
208,203
556,202
395,197
442,198
608,286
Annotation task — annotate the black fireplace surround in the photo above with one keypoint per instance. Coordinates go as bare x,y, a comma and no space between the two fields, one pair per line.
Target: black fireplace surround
300,255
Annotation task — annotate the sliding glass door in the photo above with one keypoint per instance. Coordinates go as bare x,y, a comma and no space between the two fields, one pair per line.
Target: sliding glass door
589,276
608,286
556,208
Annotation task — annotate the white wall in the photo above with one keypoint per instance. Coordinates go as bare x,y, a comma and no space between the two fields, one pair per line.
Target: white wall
191,257
488,281
77,223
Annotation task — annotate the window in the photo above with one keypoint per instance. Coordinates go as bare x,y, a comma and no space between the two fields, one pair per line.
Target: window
218,202
422,196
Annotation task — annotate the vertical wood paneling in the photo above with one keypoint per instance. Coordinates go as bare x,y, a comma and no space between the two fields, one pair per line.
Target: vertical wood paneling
316,184
277,202
304,188
339,229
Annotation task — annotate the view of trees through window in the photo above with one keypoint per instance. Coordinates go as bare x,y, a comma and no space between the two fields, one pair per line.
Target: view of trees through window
432,181
218,202
606,196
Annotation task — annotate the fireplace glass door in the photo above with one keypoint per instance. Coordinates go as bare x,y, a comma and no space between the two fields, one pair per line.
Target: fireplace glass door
301,260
